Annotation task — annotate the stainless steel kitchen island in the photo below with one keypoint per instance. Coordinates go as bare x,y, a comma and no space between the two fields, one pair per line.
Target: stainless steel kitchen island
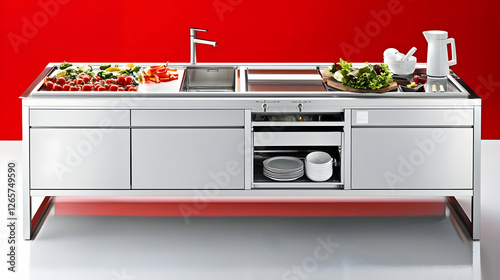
205,139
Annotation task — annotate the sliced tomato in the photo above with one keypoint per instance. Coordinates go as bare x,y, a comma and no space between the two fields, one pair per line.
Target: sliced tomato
57,87
101,89
66,87
132,89
74,88
113,88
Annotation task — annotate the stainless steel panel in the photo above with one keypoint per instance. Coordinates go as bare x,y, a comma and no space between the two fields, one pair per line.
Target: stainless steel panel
298,138
229,195
184,118
413,117
80,118
207,159
412,158
80,158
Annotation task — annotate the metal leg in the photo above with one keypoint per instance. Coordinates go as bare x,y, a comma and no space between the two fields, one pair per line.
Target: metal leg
476,216
472,225
476,199
32,226
26,214
460,213
40,215
26,177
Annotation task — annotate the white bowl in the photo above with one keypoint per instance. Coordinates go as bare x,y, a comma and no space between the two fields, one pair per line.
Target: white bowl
318,158
312,169
323,173
318,178
316,171
401,67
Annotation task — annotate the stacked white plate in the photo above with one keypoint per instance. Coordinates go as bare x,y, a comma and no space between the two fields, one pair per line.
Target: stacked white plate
283,168
319,166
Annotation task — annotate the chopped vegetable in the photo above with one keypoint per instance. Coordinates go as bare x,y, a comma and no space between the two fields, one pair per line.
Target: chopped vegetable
113,69
83,78
158,74
65,65
85,68
368,77
104,66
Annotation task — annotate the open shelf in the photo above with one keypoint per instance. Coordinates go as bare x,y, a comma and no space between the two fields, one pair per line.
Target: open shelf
263,153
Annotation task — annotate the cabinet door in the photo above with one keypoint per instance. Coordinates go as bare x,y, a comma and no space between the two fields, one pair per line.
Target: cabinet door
80,158
187,159
412,158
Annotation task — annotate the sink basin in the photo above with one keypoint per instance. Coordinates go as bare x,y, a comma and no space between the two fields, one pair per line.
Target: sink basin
209,79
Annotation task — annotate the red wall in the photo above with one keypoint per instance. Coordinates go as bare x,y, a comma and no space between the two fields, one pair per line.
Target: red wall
33,35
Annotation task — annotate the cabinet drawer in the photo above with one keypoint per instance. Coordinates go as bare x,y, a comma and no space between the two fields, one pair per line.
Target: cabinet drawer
187,159
297,139
413,117
187,118
80,158
412,158
79,118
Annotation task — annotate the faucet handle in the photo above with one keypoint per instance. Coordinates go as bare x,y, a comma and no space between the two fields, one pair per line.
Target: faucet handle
193,30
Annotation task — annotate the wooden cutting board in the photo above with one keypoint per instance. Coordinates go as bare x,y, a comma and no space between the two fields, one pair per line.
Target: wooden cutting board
329,80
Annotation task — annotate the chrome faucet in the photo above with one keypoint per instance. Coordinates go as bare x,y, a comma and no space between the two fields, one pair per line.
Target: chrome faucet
195,41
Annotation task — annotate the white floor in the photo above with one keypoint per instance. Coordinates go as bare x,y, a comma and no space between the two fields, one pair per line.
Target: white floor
116,248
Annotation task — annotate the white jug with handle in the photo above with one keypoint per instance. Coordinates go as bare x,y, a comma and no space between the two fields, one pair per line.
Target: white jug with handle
437,53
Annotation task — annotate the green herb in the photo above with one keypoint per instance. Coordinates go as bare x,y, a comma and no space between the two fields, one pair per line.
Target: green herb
368,77
65,65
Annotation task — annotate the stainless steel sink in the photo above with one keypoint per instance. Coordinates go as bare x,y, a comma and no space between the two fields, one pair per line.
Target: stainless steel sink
209,79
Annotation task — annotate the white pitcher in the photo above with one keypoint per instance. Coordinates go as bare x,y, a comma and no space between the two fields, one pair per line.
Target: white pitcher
437,53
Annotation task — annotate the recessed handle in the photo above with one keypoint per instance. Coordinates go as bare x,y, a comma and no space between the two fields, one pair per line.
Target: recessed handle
264,107
300,106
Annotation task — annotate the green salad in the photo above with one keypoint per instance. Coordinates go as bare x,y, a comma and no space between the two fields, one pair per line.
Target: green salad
368,77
